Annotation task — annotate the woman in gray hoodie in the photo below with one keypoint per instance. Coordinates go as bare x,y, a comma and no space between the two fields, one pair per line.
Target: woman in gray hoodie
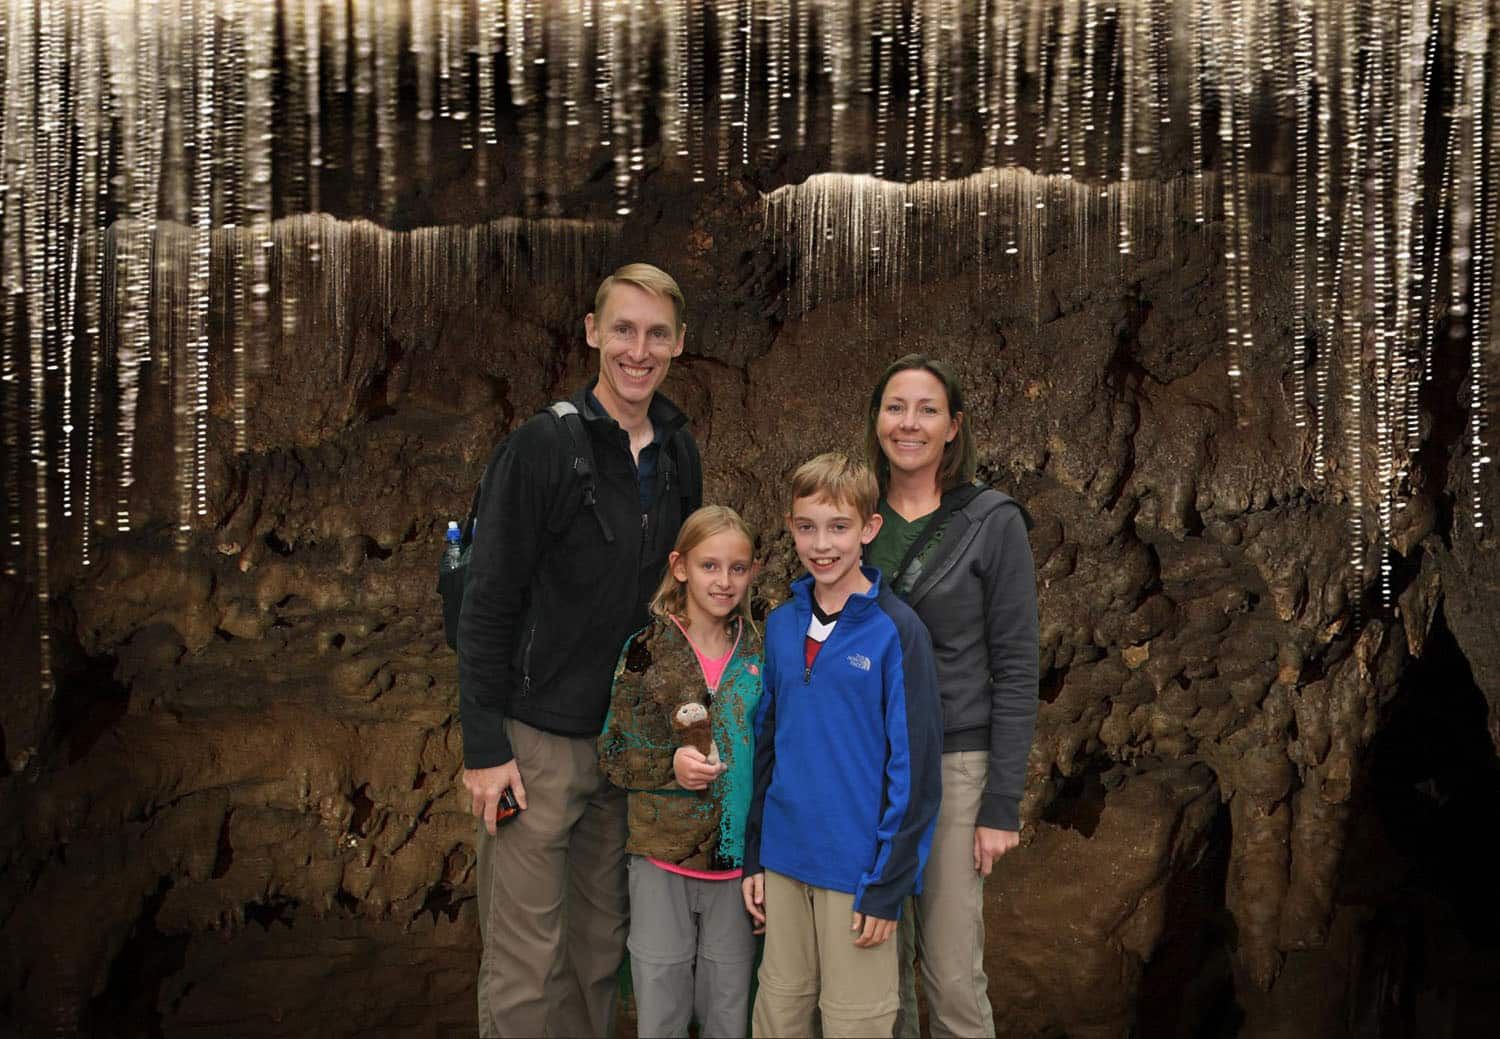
957,552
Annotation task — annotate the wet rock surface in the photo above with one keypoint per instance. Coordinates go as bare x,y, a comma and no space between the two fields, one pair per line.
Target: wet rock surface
242,814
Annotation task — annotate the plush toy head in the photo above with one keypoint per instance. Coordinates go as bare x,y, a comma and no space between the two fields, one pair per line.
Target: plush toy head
691,723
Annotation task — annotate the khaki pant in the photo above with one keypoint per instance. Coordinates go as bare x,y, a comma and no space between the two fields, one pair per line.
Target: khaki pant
552,896
810,961
947,930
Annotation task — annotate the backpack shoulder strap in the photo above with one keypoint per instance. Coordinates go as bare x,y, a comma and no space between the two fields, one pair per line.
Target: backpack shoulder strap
583,460
582,466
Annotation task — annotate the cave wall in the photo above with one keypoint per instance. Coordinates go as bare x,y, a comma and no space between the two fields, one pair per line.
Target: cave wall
244,814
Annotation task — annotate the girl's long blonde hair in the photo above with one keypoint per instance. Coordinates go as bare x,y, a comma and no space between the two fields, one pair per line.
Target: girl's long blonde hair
671,594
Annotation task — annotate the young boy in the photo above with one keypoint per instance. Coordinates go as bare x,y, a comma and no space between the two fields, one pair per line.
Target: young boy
848,748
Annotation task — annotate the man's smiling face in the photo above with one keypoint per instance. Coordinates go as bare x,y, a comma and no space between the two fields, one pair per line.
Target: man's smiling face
637,335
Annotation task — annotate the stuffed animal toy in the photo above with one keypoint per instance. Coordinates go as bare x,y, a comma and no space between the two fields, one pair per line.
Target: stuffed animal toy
690,722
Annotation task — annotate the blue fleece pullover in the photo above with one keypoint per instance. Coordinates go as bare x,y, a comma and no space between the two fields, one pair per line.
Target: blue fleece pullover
848,752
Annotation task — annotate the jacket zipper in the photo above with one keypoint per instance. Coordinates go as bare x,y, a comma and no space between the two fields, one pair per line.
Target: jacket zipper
526,662
807,668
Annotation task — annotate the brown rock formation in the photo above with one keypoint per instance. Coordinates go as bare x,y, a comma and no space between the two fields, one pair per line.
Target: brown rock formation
243,813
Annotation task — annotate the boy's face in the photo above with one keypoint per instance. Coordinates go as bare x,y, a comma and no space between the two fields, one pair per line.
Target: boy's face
829,536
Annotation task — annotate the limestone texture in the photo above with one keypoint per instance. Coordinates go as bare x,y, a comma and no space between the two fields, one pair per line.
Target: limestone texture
241,813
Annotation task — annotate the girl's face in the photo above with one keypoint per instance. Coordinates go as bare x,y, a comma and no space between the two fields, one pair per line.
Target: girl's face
717,573
914,424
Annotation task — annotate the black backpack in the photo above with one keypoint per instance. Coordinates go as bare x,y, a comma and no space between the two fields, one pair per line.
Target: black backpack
450,583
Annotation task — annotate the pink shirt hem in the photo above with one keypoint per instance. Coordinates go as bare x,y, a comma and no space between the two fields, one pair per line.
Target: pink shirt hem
697,874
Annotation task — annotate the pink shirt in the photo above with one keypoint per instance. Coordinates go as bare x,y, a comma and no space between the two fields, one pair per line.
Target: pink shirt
713,669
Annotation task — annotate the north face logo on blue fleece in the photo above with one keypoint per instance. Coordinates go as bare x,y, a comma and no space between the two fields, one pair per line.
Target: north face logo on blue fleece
860,661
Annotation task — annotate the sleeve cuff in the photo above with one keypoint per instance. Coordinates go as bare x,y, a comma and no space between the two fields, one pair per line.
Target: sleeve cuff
493,756
877,903
999,812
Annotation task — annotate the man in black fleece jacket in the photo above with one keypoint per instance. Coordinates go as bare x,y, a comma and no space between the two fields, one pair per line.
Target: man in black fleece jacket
555,585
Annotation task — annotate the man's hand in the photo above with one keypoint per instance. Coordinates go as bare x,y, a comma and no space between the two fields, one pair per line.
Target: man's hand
485,785
693,770
870,931
753,888
989,845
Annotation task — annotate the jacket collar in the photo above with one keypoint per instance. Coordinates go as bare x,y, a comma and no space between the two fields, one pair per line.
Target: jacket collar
855,607
666,418
962,529
745,645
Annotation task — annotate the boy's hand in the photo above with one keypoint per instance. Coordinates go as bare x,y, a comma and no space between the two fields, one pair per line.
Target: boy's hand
870,931
989,845
754,891
693,770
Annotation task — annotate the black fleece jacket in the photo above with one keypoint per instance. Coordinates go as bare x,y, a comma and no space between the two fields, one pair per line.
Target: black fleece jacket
547,602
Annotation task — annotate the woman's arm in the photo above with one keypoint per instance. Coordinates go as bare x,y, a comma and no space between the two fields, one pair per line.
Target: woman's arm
1010,617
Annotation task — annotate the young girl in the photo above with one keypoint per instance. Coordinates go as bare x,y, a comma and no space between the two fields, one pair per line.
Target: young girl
691,948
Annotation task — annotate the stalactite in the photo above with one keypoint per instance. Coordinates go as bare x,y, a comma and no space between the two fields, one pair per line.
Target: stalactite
1471,239
1325,280
618,48
675,134
105,120
884,63
422,50
208,60
1302,177
1125,29
746,64
775,57
385,67
728,85
696,98
90,119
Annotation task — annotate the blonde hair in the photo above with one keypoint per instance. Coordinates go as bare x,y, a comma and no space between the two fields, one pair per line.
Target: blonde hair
837,478
648,279
671,594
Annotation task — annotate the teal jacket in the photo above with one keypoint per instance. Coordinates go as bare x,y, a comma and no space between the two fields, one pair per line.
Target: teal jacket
657,673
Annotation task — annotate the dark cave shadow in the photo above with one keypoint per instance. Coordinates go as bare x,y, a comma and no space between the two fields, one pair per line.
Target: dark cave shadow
1429,952
1187,987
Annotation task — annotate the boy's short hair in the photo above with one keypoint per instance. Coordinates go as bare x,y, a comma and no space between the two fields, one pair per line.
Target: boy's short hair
837,478
648,279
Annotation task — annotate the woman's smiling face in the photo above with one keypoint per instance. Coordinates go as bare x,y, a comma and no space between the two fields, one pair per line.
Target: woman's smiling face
914,423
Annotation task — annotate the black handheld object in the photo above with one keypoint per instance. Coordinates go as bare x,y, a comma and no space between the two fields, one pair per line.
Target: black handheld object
506,808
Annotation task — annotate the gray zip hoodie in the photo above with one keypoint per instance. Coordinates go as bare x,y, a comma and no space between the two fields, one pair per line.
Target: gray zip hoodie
976,592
